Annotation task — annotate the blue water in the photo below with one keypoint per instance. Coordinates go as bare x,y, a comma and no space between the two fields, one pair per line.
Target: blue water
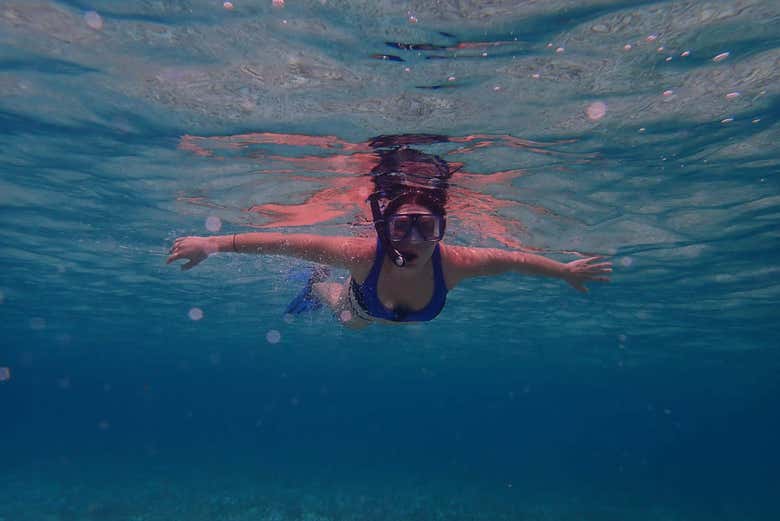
654,129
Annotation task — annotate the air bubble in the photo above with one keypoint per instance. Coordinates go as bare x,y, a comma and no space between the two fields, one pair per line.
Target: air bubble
93,20
273,336
596,110
722,56
213,223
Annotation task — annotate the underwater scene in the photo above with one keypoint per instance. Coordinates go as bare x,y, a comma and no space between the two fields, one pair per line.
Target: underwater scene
390,260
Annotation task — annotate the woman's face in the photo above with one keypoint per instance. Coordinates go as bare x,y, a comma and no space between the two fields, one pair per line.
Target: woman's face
414,246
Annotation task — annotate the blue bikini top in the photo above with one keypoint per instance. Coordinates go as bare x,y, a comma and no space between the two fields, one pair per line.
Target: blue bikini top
368,298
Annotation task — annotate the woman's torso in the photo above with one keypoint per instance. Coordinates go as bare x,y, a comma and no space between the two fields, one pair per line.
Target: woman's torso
376,295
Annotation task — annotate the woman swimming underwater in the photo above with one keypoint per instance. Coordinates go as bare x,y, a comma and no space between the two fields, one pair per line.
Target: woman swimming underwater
404,274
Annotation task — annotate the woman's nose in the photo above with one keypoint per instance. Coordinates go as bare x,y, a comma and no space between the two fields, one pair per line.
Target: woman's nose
415,235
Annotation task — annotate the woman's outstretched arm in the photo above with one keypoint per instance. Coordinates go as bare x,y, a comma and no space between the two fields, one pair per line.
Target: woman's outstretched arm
342,252
464,262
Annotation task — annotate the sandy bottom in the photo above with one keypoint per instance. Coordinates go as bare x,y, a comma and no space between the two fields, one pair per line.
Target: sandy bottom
123,489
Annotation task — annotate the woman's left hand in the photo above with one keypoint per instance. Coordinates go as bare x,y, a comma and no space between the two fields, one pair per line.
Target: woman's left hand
580,271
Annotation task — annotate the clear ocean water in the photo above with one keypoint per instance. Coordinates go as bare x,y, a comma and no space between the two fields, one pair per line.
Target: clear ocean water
134,391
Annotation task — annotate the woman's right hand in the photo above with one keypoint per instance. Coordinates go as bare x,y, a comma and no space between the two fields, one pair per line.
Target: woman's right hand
195,249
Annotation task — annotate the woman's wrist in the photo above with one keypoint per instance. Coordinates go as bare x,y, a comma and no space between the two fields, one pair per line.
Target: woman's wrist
221,243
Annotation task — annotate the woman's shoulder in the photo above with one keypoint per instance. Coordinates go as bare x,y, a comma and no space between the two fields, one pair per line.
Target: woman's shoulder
458,261
451,262
362,253
456,255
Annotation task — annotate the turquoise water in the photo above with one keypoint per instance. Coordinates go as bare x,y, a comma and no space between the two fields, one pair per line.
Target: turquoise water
645,131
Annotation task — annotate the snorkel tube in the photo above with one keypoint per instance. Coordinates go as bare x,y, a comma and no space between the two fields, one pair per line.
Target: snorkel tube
381,231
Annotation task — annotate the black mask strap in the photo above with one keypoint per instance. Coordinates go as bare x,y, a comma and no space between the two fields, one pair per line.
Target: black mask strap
380,225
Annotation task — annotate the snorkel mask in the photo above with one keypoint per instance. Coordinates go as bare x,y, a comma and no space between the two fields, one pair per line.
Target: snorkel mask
431,228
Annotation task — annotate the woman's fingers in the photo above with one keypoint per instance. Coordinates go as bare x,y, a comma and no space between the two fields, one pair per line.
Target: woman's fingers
176,256
191,249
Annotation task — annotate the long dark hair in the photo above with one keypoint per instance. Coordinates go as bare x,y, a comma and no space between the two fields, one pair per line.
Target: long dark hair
403,171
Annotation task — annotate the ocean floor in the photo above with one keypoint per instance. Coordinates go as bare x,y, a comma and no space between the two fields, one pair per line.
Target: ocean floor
113,490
